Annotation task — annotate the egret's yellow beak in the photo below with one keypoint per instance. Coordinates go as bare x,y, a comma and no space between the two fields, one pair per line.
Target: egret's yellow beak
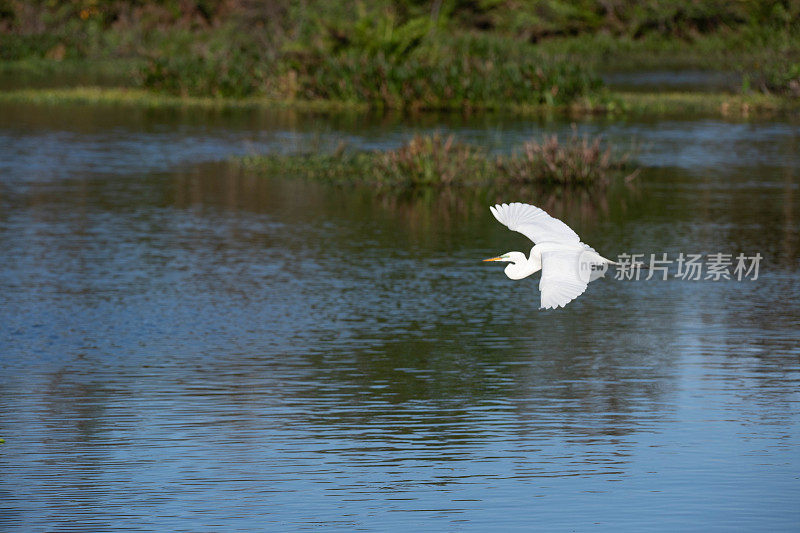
493,259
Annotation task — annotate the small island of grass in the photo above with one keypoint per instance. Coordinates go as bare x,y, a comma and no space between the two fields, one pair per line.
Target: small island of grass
437,161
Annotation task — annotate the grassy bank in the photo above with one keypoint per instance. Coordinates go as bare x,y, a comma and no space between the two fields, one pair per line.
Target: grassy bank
143,98
438,54
663,104
435,161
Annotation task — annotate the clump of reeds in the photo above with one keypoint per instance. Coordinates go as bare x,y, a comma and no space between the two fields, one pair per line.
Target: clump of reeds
442,161
578,160
431,160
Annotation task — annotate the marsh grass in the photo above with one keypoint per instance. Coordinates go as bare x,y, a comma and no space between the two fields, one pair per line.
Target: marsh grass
397,54
432,160
442,162
579,160
673,104
457,73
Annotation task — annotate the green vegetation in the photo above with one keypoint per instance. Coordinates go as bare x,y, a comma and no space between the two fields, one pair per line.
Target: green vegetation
659,104
413,54
451,77
149,99
578,161
435,161
698,104
776,76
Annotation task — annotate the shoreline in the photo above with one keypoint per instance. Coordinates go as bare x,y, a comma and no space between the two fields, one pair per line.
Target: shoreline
611,103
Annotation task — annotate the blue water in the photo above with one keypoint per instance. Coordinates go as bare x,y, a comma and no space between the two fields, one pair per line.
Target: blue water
186,346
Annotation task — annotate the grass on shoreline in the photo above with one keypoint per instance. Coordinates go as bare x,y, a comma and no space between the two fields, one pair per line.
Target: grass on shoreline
614,103
435,161
141,98
400,54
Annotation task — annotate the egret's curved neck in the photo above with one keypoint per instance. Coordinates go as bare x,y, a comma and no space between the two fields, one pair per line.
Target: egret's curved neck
524,267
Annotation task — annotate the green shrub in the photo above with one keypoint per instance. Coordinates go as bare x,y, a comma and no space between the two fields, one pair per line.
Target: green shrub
444,80
210,75
778,77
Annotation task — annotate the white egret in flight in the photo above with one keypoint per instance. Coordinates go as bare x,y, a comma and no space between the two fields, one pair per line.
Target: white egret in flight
567,264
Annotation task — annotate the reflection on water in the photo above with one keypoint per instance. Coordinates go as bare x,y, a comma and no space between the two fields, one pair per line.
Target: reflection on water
188,346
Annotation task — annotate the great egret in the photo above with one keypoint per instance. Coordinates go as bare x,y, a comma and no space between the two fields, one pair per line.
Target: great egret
567,264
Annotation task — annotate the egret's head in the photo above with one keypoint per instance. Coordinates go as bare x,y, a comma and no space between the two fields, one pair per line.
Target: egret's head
509,257
520,266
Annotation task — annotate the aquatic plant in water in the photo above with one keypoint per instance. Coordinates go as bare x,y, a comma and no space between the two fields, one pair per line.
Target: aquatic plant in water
578,160
437,161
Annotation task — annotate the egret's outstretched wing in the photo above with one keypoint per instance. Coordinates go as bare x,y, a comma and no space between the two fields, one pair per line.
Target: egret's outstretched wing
561,280
533,222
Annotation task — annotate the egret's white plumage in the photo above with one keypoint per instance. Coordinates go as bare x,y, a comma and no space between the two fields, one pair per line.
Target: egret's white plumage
567,264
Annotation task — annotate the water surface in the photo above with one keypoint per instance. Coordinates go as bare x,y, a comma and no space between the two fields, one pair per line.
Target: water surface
186,346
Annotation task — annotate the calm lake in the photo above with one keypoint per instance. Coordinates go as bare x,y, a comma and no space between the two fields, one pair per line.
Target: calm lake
188,347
